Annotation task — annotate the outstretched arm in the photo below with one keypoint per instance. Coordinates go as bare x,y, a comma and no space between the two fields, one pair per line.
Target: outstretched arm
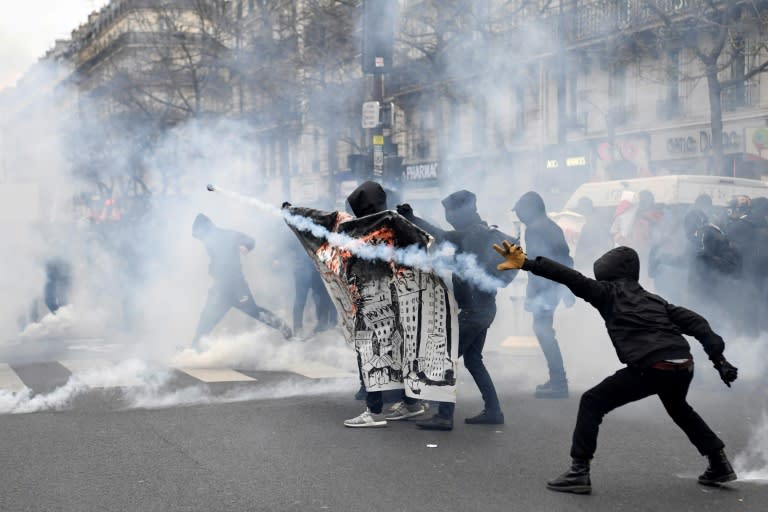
695,325
591,290
439,234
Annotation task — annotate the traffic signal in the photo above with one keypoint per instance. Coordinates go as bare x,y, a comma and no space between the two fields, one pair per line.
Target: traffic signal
379,18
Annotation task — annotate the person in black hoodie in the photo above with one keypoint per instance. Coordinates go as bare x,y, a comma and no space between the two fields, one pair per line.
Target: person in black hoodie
545,238
748,233
477,307
647,333
367,199
229,290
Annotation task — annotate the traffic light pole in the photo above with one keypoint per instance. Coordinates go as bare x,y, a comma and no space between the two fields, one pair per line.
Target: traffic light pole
377,133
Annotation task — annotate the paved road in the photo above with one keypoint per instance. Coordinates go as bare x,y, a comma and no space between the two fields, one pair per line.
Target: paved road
274,441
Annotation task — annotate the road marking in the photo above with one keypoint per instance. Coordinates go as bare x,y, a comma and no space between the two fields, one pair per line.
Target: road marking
520,342
217,375
316,370
9,380
101,373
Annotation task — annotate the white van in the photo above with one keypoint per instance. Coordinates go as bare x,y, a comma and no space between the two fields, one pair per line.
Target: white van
670,190
675,189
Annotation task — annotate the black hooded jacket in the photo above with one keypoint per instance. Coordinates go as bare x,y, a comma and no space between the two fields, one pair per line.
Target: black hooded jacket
643,327
223,247
470,236
367,199
543,237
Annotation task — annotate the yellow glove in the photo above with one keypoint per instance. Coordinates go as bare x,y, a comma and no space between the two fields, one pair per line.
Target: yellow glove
514,257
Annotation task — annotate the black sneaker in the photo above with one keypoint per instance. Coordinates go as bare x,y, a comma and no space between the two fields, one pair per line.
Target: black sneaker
719,470
552,389
436,422
486,418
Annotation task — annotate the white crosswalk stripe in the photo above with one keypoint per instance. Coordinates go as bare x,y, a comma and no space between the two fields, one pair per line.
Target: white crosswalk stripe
96,373
316,370
9,380
217,375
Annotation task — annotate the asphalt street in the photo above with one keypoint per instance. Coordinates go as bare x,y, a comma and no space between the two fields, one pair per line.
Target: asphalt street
103,450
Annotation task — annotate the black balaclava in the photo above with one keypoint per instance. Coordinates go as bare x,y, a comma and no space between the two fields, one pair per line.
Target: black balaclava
367,199
530,207
461,209
619,263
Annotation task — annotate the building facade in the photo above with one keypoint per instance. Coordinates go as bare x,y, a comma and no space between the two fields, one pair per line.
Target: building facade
536,93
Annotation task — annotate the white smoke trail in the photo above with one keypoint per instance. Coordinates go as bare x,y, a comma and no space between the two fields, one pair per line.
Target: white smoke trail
441,259
752,462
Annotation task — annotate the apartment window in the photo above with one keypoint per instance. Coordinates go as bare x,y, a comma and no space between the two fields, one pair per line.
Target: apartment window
618,90
735,96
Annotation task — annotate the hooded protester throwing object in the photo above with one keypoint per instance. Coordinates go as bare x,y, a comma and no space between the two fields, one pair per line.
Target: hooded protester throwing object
229,290
400,319
647,333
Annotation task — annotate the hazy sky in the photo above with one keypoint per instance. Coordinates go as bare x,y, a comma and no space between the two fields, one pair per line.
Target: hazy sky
28,29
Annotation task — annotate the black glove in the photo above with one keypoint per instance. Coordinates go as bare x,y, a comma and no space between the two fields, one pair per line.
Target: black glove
728,372
285,205
405,210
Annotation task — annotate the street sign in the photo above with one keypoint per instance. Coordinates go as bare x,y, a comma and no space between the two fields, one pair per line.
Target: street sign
378,160
371,114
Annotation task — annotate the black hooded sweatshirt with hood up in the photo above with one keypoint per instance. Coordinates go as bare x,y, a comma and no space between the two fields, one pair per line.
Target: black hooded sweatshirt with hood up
643,327
470,235
543,237
223,246
367,199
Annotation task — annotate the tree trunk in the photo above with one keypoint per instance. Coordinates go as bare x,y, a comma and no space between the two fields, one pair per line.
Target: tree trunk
715,120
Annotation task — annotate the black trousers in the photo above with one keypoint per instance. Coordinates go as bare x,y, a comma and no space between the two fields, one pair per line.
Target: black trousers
234,294
632,384
326,312
473,328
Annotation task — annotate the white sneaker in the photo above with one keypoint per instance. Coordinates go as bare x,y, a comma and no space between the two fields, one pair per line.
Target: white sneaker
366,419
403,411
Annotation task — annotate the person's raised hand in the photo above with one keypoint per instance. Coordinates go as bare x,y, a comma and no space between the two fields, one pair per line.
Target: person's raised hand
405,210
514,257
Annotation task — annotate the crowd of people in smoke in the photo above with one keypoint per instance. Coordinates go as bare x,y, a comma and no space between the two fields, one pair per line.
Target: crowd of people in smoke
708,257
703,257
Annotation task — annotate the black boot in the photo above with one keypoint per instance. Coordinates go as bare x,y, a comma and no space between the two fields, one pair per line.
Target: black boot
718,471
436,422
486,418
553,388
575,480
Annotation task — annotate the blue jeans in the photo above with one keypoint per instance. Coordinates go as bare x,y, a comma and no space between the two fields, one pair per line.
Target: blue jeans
473,328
